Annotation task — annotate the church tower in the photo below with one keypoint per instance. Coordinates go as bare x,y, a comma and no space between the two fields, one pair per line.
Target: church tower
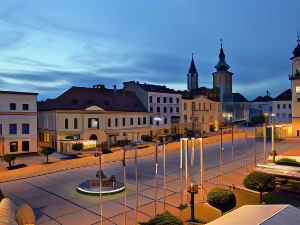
222,80
192,76
295,87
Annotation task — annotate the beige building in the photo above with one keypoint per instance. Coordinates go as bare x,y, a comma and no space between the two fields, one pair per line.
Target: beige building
18,122
200,114
92,115
295,88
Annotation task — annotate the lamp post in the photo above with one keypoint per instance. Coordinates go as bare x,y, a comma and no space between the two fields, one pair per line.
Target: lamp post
156,171
136,186
254,146
221,155
183,146
201,165
125,181
245,152
193,189
164,152
273,151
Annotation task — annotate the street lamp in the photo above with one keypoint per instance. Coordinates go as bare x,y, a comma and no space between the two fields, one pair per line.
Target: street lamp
221,155
193,189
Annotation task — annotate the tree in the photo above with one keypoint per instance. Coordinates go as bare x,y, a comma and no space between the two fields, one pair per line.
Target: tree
261,182
222,199
46,151
9,159
165,218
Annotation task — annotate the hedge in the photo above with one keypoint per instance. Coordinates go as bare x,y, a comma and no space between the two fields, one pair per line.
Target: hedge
288,162
260,182
222,199
165,218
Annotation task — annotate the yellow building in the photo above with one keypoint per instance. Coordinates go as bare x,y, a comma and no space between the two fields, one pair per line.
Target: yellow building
295,87
91,116
200,114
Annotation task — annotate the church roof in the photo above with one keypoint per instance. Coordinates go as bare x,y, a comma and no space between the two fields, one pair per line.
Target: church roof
284,96
192,69
222,65
296,51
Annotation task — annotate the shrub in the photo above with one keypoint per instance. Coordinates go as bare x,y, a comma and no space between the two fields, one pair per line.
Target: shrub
46,151
9,159
165,218
146,138
260,182
222,199
77,146
288,162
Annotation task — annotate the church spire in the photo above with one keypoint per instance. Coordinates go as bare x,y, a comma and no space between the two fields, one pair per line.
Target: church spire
192,69
222,65
296,51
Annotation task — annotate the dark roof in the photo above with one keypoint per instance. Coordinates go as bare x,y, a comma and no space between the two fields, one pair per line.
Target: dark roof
238,97
80,98
222,65
284,96
154,87
266,98
192,69
211,93
18,93
296,51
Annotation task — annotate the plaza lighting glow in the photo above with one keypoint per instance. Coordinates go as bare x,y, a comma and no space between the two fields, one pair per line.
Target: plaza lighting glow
102,192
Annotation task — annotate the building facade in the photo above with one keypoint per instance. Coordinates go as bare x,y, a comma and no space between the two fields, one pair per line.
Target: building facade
92,116
200,115
282,107
162,102
295,88
240,108
18,122
261,106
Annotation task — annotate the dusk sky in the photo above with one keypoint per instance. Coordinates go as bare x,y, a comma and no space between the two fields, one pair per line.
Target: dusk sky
47,46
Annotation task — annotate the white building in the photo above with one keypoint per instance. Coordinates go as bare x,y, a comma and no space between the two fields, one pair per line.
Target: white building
282,107
92,115
18,122
163,102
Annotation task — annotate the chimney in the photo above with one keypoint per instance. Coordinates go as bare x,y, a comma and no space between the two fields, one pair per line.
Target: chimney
115,88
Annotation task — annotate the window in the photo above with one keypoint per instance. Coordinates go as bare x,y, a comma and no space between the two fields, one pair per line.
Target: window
13,146
165,109
93,123
199,105
158,109
144,120
116,122
283,115
284,106
25,107
185,118
290,106
204,106
185,106
171,109
66,123
278,115
165,120
203,119
150,99
0,129
158,99
75,123
25,128
290,115
25,146
131,121
298,99
209,106
124,122
109,122
196,120
193,106
139,121
12,106
151,109
177,109
278,106
12,128
151,120
177,100
171,100
165,99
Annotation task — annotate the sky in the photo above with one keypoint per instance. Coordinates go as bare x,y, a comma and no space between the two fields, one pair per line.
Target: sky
47,46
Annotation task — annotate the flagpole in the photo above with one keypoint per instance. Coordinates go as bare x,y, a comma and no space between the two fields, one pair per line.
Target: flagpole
164,152
125,191
137,187
156,167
